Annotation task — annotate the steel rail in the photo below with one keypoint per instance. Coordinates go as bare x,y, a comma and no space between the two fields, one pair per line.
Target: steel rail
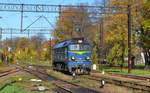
8,72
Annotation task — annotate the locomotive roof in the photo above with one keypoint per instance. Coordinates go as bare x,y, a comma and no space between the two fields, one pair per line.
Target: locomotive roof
67,42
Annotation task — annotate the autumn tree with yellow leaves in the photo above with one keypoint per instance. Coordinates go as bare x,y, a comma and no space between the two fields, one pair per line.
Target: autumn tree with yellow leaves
76,22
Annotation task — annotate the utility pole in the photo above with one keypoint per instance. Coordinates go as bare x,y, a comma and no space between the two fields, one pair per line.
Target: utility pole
1,41
0,34
11,34
59,11
50,50
101,44
28,33
21,18
129,37
101,39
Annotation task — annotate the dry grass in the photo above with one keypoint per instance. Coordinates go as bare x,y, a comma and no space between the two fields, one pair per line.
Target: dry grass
118,89
86,82
115,89
6,68
59,75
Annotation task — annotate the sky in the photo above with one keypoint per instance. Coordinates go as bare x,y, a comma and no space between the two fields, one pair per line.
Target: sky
12,19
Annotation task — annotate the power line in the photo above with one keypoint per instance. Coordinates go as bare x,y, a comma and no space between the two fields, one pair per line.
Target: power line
28,31
48,22
11,7
32,23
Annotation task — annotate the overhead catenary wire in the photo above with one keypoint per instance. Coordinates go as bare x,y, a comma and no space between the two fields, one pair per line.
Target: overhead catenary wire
32,23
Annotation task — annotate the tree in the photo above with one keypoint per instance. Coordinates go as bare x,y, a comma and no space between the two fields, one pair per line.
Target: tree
140,27
117,39
73,22
144,31
23,43
116,33
22,48
46,50
37,41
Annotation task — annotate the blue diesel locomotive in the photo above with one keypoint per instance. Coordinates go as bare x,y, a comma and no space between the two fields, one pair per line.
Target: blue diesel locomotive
73,56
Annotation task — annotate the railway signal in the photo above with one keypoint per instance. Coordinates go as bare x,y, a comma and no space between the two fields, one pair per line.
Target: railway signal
102,82
74,75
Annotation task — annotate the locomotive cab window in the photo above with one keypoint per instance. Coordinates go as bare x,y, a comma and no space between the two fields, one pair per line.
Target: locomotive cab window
80,47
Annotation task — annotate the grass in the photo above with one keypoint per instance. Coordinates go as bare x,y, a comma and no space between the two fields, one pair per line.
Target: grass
139,64
41,63
18,87
125,71
85,82
3,64
15,88
59,74
23,86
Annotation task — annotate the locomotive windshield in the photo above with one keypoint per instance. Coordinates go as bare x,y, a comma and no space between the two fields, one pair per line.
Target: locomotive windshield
80,47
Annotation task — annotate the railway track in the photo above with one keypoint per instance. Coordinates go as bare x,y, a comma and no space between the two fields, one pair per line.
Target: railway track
62,85
8,72
62,89
133,76
145,78
138,77
124,83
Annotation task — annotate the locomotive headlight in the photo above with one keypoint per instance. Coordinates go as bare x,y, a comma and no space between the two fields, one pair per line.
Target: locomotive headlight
73,58
87,58
80,41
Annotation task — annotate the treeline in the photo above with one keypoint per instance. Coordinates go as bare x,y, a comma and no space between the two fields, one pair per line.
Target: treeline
80,22
93,26
24,49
